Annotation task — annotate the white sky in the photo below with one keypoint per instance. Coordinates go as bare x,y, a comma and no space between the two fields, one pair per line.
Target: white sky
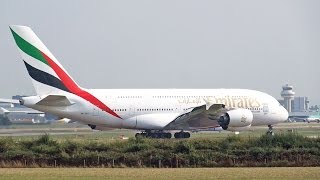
171,43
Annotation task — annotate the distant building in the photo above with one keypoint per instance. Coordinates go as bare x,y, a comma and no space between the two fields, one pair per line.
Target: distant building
20,114
298,107
314,108
300,104
6,105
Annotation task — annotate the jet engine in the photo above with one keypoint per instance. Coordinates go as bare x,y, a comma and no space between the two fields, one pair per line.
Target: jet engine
236,118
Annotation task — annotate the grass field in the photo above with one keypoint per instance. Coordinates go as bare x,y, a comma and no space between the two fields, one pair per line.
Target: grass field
143,173
310,130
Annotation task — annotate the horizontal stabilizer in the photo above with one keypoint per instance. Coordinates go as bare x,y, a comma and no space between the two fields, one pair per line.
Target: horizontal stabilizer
19,110
14,101
55,100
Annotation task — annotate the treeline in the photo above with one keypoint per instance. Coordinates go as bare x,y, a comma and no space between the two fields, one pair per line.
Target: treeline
233,151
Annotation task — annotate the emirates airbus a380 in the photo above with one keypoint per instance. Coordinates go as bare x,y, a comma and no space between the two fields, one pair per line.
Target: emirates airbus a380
155,112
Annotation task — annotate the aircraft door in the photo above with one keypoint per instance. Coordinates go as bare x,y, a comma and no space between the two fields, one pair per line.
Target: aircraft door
265,108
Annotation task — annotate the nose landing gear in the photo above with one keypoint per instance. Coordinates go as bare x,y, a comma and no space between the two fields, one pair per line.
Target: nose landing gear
270,130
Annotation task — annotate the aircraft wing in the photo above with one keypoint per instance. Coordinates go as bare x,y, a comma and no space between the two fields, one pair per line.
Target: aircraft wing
16,110
203,116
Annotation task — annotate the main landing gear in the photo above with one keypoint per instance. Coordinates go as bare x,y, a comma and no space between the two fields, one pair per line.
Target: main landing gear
162,135
270,130
156,135
181,134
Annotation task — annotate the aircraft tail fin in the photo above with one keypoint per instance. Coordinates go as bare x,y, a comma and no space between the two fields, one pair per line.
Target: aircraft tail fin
47,74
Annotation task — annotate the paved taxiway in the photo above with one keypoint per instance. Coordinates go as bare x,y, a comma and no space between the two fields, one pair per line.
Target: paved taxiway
40,131
30,130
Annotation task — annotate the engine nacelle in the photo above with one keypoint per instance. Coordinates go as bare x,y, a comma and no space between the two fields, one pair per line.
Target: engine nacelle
236,118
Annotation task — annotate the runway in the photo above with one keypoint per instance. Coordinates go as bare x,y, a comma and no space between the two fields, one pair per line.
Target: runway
67,129
40,131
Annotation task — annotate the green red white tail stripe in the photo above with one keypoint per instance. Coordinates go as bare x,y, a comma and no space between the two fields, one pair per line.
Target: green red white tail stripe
47,73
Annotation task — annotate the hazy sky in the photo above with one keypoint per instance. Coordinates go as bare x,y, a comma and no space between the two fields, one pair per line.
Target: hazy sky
170,43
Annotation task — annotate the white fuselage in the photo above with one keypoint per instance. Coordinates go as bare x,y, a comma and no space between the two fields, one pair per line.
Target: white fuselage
155,108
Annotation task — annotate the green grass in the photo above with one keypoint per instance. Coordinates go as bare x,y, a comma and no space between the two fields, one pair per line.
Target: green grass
166,174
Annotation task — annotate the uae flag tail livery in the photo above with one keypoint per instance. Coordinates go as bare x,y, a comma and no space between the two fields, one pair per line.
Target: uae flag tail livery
47,74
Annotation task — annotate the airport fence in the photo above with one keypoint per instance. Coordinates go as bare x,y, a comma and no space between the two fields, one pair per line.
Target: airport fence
265,151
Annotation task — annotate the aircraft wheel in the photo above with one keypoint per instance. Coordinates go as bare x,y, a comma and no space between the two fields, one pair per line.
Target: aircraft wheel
162,135
182,134
177,135
154,135
186,135
168,135
140,135
270,130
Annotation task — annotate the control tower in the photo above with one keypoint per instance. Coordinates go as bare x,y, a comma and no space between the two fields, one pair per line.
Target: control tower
287,94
